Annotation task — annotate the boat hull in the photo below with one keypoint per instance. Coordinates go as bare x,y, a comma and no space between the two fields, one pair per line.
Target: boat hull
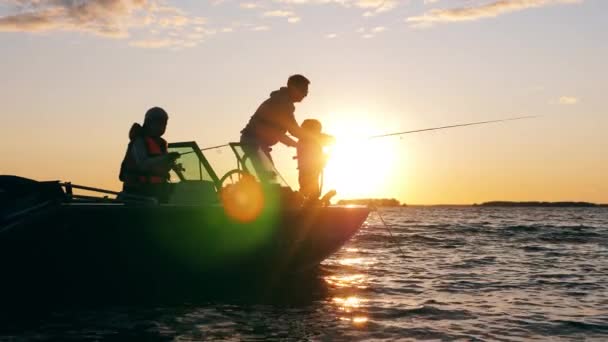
126,248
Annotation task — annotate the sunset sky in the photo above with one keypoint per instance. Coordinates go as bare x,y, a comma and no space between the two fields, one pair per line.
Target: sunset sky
77,74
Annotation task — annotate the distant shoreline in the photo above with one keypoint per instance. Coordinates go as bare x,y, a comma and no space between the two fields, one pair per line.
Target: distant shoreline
377,202
540,204
391,202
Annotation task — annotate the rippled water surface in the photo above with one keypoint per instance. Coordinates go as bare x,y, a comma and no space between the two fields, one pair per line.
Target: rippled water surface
447,274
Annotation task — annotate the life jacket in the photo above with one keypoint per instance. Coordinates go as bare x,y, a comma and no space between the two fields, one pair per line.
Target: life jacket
131,175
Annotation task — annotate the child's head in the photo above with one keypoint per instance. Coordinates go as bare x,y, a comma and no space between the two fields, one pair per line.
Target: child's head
312,126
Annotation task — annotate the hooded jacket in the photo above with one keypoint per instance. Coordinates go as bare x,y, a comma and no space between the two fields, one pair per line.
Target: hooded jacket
273,119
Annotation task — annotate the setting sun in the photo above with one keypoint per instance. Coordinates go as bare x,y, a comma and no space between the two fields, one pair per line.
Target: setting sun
358,166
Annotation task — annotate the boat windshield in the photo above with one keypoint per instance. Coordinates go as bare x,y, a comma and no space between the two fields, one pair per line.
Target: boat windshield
194,166
263,170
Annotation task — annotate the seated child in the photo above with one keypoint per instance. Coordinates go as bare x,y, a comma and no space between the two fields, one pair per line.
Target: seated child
311,159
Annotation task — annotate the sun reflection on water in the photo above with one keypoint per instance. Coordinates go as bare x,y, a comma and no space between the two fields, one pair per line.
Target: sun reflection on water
359,320
349,280
347,304
351,308
355,261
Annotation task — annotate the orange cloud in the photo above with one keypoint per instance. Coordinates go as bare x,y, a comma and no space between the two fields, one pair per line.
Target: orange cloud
102,17
568,100
109,18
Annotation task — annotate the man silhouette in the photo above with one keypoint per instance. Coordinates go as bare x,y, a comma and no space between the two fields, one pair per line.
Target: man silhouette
274,118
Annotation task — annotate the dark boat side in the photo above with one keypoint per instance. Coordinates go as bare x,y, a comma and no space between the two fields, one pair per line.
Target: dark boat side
121,248
56,243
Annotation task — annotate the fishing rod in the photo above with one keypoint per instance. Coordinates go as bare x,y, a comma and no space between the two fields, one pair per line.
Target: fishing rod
413,131
452,126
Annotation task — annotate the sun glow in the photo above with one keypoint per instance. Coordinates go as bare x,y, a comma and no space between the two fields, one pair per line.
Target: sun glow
357,166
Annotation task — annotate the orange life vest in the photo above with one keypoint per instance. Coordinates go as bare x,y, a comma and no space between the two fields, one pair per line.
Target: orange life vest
131,175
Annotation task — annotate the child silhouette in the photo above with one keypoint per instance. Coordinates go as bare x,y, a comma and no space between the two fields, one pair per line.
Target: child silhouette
311,159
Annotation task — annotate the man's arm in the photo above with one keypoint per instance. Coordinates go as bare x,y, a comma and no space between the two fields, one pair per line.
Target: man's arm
145,163
294,129
286,140
179,170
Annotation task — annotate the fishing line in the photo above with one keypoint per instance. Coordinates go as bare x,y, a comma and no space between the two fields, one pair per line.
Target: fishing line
414,269
388,228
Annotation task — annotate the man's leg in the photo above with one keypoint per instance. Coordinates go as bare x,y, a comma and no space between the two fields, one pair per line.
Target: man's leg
255,152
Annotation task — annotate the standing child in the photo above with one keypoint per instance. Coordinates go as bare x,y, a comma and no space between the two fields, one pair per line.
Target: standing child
311,159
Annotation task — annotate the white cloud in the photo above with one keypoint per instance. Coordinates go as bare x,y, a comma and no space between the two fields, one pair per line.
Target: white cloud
476,12
372,7
292,18
156,23
261,28
152,43
249,5
370,32
171,43
279,13
173,21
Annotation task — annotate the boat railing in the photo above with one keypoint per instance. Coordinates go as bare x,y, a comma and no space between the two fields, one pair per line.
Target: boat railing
120,197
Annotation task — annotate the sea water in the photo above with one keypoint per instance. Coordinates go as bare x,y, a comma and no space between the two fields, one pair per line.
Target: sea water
459,273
